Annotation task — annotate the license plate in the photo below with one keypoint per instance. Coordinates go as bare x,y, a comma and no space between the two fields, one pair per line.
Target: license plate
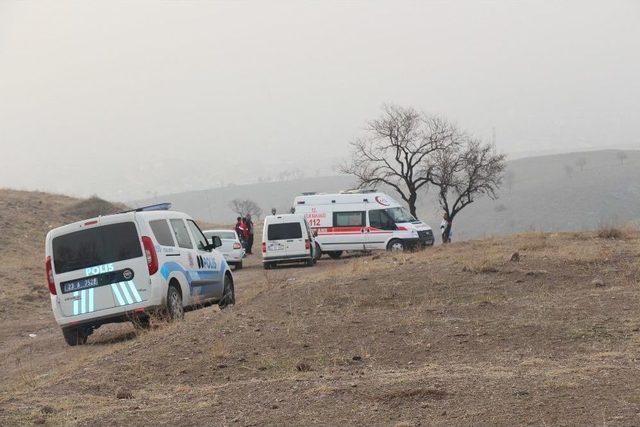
76,285
97,280
276,246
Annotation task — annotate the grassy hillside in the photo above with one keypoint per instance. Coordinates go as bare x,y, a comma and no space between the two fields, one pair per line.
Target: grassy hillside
25,218
452,335
548,193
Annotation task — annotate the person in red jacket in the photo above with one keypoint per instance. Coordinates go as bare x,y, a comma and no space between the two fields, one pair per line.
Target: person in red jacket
240,229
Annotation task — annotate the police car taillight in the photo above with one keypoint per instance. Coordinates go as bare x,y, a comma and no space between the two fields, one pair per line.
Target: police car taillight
307,244
150,253
237,245
49,270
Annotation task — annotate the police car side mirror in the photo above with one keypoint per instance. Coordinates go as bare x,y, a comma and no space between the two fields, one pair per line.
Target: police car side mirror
215,243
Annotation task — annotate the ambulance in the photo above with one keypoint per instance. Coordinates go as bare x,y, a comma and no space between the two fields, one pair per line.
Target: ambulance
357,220
123,267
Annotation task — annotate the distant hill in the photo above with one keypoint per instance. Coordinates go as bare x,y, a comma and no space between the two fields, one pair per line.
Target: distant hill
549,193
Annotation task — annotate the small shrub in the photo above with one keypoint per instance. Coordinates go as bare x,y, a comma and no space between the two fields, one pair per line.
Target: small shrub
610,232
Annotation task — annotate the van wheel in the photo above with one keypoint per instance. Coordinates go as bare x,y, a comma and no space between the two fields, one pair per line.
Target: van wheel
229,294
75,336
334,254
174,304
396,245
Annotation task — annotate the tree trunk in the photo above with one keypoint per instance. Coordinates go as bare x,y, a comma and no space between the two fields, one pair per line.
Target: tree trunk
446,236
412,205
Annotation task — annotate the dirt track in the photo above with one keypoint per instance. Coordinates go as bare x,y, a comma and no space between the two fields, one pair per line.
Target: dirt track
456,335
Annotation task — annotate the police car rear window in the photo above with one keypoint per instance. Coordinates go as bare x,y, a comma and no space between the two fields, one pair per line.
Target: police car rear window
287,230
96,246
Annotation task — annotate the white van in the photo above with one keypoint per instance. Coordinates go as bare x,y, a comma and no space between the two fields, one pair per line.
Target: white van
288,238
123,267
361,220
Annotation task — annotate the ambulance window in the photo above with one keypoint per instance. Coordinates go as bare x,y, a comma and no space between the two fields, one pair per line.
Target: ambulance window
180,231
380,219
348,219
201,241
162,232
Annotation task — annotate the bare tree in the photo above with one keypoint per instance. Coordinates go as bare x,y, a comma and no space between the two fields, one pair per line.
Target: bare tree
581,163
464,172
244,207
622,156
394,151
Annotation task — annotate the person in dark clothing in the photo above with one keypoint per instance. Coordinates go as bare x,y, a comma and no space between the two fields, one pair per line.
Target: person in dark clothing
249,224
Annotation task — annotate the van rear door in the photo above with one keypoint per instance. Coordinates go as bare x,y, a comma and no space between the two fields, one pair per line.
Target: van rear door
283,239
98,267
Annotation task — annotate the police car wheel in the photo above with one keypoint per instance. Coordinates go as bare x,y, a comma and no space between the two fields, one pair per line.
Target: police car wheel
228,295
75,336
174,304
395,246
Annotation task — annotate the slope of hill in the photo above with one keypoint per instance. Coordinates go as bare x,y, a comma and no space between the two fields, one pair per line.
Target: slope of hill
25,218
551,193
454,335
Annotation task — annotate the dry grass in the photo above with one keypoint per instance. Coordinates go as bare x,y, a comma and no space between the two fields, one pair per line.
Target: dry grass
453,335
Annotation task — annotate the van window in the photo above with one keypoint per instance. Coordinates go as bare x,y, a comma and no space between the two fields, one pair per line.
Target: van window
283,231
348,219
96,246
379,218
400,215
162,232
180,231
201,241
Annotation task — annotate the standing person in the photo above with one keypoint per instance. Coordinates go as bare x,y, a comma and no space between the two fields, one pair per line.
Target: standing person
445,228
239,230
245,234
247,220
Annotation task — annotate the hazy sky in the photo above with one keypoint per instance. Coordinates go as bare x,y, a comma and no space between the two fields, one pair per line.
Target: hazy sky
129,99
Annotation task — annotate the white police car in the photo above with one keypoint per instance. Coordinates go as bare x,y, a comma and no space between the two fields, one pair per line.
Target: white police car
125,266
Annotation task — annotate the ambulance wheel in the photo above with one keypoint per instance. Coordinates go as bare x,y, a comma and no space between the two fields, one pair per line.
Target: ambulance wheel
396,245
238,266
268,265
310,262
175,310
75,336
318,252
228,294
334,254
